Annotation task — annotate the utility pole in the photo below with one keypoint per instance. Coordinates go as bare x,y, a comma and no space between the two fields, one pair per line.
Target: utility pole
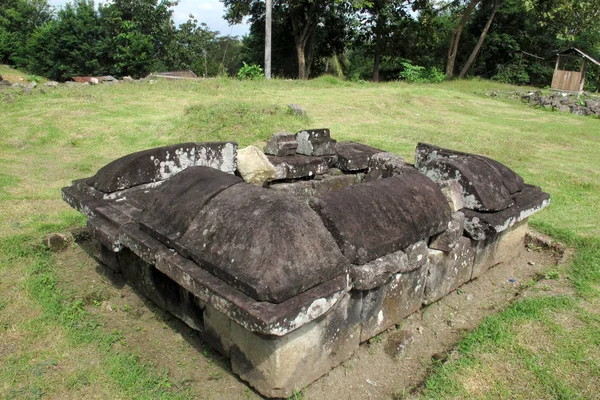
268,40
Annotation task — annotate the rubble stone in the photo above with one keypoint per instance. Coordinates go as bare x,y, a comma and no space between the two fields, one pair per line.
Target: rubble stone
282,144
315,142
254,166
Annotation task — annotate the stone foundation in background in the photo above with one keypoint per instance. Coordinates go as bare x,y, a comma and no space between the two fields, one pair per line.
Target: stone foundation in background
285,262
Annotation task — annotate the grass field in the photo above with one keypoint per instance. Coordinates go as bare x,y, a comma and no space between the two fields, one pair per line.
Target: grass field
54,342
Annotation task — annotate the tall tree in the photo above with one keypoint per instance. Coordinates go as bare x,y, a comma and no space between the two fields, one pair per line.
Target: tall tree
305,18
455,39
379,20
496,4
19,19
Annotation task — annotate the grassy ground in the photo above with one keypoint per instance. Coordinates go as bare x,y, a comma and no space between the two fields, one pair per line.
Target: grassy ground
53,344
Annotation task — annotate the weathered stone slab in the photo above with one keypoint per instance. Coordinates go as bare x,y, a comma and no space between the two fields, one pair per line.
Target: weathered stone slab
254,166
378,272
299,166
453,193
446,240
189,190
486,184
384,165
276,366
282,144
417,254
354,156
377,218
161,163
479,225
267,244
390,304
448,271
499,248
306,190
315,142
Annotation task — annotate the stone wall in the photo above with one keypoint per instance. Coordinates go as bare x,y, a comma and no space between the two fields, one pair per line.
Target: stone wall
287,261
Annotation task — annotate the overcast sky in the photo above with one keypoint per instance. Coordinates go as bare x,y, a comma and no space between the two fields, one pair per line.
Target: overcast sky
208,11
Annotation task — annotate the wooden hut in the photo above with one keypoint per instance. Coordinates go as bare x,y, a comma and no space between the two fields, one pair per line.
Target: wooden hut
569,74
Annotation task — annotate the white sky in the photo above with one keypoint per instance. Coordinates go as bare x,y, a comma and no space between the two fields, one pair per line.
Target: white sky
208,11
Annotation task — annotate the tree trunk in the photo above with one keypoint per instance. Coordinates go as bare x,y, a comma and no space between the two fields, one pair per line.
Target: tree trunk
377,55
304,37
453,49
268,21
301,61
475,51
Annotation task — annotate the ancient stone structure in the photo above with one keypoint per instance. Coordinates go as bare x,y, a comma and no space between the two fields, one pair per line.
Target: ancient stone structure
287,275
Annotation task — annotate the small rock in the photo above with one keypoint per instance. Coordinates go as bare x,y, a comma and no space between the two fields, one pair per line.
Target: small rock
57,241
420,330
94,81
52,84
128,79
531,263
469,297
254,166
281,144
151,82
397,343
370,382
296,110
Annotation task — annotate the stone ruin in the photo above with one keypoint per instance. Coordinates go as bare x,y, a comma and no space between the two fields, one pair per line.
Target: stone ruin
330,245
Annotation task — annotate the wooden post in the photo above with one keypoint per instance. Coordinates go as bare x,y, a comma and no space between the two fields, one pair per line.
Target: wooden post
582,83
268,21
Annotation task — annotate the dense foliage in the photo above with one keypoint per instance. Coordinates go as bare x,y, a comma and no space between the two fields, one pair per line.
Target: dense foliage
512,41
122,37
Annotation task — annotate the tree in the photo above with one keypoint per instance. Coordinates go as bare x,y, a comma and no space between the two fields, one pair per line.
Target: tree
496,4
379,21
69,45
455,39
566,18
306,18
18,21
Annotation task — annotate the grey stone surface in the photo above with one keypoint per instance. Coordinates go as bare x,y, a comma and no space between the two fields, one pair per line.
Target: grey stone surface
381,217
282,144
446,240
315,142
277,366
417,254
52,84
384,165
479,225
378,272
254,167
297,110
264,243
299,166
306,190
453,192
389,304
354,156
499,248
448,271
190,190
486,184
161,163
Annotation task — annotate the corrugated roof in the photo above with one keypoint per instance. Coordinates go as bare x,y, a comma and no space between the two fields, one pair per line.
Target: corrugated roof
581,53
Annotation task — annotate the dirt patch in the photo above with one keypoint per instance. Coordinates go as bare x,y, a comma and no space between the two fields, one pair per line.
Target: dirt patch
392,362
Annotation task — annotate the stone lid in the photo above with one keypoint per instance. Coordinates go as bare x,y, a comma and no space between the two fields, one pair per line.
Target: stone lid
179,200
263,242
487,185
381,217
159,164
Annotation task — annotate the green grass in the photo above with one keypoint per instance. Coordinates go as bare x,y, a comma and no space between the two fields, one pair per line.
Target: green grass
48,139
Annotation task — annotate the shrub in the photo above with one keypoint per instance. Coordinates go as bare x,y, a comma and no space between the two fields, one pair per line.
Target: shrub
419,74
251,72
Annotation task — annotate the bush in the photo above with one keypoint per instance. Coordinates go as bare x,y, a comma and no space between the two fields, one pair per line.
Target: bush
419,74
251,72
